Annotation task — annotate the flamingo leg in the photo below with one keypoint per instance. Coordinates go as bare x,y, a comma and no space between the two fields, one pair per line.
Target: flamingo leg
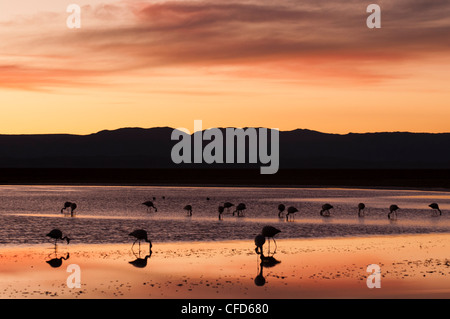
133,243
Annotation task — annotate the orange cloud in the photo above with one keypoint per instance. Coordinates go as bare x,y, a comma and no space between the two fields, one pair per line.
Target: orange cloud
284,40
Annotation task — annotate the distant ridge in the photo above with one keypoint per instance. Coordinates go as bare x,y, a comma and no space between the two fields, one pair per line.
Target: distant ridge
300,148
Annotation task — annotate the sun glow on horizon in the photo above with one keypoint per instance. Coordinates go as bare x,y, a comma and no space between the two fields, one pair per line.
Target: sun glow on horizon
242,64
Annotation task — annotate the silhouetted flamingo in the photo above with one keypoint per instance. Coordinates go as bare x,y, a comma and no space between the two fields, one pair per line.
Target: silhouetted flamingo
260,240
57,234
326,208
291,211
140,234
436,207
73,206
361,207
220,209
270,232
66,205
188,208
393,209
227,205
240,208
150,205
281,209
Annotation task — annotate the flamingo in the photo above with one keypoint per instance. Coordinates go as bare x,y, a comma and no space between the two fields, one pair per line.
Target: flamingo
361,207
291,211
150,205
239,208
436,207
57,234
227,205
73,206
393,209
188,208
260,240
281,209
220,209
326,208
140,234
66,205
270,232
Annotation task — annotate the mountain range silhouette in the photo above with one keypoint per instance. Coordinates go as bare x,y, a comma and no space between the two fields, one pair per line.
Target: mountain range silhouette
299,149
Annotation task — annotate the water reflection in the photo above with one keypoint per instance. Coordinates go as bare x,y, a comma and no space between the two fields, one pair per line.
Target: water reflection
140,262
265,262
56,261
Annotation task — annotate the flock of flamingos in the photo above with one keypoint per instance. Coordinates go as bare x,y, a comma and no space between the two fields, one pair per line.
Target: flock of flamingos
267,232
291,210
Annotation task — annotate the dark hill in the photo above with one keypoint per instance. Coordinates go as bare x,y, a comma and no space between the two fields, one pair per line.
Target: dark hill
151,148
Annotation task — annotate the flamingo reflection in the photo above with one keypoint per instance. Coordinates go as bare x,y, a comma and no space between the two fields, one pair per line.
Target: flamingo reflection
56,262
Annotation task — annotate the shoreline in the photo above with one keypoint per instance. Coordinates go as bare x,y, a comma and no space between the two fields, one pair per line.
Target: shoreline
287,186
228,241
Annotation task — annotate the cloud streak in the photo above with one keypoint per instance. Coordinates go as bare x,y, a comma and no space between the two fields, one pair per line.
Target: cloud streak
286,40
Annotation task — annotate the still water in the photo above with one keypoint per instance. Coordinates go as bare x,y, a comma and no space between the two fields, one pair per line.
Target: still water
107,214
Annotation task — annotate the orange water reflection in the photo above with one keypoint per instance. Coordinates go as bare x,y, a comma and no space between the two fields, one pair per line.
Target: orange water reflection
411,266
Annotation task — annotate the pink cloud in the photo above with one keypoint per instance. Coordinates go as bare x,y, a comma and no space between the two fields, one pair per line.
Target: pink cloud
290,40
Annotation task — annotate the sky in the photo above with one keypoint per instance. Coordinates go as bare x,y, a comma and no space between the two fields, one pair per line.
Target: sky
284,64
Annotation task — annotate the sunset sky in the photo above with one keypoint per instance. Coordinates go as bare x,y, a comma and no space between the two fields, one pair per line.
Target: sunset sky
281,64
